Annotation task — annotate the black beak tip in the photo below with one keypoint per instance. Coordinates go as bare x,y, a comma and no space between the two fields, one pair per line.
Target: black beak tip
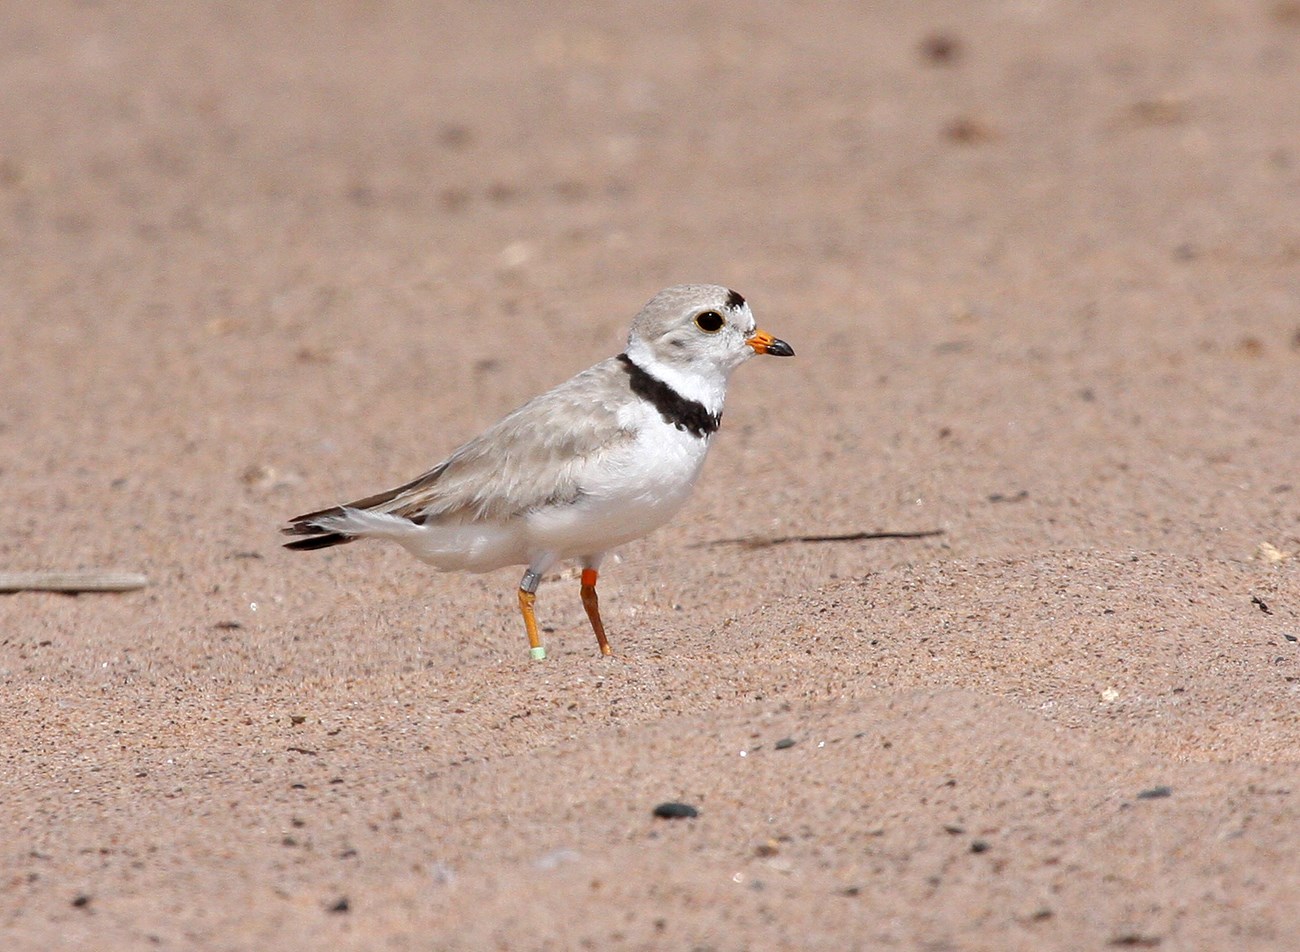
779,348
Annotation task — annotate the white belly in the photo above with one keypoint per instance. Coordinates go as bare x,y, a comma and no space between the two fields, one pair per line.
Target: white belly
630,494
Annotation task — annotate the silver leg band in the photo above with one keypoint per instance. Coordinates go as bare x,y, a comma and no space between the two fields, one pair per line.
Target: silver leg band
530,582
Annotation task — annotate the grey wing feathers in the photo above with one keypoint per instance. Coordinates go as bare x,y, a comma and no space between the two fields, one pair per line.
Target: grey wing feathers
530,458
306,524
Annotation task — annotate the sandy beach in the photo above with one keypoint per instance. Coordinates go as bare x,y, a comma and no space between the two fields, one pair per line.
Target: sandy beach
1040,263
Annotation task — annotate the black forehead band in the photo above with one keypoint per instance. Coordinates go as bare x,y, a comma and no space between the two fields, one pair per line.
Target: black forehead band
734,301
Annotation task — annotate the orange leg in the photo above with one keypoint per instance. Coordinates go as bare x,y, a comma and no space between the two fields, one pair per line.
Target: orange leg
592,604
527,597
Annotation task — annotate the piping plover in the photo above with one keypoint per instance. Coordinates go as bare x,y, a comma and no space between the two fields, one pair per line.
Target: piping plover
604,458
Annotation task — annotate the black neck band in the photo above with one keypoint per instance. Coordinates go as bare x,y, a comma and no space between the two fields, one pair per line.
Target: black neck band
688,415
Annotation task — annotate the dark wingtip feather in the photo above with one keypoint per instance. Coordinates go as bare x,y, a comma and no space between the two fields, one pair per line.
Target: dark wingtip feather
301,525
318,542
305,525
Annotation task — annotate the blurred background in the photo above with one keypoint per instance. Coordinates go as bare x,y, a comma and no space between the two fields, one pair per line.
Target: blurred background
257,235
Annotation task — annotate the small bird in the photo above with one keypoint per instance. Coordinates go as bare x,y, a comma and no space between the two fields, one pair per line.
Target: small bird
606,457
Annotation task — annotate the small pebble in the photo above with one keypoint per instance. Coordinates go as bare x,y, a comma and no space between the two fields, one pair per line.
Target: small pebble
1156,793
784,743
342,905
1136,939
940,48
675,811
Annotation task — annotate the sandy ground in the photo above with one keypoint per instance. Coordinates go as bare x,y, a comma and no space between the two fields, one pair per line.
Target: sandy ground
1041,265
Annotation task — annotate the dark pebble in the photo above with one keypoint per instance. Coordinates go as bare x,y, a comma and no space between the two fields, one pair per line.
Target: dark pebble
967,131
940,48
81,901
785,743
675,811
980,846
1156,793
341,906
1136,940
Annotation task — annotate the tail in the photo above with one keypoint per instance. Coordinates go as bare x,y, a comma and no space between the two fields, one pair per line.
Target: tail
318,537
341,524
358,520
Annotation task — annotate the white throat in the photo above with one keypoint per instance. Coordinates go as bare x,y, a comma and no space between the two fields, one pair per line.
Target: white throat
708,388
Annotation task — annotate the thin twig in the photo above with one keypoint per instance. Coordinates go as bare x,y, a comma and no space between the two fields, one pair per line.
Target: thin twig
93,580
759,542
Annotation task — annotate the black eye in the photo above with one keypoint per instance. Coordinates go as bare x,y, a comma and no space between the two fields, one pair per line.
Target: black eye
710,322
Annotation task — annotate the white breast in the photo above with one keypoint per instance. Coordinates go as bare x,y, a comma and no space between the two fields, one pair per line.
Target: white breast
627,493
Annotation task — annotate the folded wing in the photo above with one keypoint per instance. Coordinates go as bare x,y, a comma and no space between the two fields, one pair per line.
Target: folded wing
532,458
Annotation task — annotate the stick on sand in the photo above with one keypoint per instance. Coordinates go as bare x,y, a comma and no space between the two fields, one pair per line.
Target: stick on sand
92,580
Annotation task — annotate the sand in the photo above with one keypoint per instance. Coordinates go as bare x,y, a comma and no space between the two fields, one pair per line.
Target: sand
1041,266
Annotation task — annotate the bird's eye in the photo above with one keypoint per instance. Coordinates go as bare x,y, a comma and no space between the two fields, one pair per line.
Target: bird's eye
710,322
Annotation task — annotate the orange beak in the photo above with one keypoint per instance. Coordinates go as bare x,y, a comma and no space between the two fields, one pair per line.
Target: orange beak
765,343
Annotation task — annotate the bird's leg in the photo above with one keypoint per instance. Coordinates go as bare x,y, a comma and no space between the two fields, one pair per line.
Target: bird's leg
527,596
592,604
